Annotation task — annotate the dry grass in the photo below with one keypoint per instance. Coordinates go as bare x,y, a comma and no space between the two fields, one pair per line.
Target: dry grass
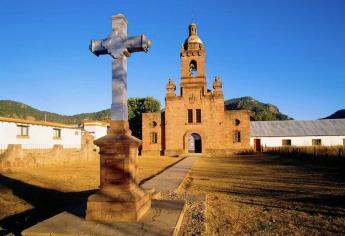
262,195
270,195
309,151
71,178
10,204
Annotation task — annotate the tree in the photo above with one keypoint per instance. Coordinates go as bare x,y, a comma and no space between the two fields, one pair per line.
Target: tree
137,106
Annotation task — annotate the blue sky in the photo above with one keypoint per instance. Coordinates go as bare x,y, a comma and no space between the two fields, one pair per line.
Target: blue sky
290,53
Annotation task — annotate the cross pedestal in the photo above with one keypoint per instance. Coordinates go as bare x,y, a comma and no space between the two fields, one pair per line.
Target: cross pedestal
119,197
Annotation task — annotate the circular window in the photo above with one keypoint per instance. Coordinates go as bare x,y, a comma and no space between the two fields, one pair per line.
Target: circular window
236,122
153,124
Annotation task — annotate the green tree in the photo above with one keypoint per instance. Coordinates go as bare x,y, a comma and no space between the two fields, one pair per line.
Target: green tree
137,106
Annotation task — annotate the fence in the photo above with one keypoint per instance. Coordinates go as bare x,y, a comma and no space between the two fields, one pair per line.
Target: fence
314,151
36,148
3,148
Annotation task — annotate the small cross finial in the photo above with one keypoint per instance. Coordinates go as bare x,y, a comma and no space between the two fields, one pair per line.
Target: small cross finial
192,21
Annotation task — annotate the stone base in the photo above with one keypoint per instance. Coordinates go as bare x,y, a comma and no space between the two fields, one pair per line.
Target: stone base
174,153
164,218
118,203
119,198
150,153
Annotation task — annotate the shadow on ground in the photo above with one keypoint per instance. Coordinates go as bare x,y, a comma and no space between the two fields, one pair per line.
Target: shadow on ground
46,203
262,194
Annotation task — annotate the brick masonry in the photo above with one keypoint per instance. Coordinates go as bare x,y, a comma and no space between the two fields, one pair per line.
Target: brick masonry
170,132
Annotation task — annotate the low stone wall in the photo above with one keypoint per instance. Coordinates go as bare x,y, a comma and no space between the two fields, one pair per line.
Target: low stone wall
17,157
314,151
151,153
206,152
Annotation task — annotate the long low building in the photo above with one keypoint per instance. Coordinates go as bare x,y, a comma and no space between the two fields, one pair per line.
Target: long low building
40,134
44,135
327,132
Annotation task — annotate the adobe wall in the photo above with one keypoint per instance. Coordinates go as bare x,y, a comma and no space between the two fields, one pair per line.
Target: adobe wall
151,123
17,157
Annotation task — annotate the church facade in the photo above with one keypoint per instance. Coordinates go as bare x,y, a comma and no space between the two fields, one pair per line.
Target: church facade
195,121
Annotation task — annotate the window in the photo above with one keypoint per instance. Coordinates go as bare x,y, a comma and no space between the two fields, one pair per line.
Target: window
23,130
344,142
286,142
193,68
316,142
236,122
237,136
153,137
198,115
190,116
153,124
56,133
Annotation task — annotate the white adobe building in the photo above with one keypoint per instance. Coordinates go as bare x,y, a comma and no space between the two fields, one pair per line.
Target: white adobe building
96,128
38,134
44,135
327,132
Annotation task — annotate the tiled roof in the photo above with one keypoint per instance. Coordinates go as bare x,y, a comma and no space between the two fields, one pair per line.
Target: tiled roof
35,122
292,128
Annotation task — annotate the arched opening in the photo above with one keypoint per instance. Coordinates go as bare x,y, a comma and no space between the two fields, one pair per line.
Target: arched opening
193,68
194,143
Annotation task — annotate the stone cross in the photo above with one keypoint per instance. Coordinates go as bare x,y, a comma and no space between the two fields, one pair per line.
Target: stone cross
119,196
119,46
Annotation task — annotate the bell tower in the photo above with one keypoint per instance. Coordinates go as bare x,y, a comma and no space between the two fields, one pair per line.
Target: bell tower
192,55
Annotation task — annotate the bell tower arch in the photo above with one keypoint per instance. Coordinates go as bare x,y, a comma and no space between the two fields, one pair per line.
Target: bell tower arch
193,61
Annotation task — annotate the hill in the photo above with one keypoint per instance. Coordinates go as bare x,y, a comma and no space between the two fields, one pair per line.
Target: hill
337,115
136,106
8,108
259,110
20,110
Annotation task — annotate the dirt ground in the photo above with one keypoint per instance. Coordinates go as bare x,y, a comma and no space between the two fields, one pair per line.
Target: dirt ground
266,195
29,195
245,195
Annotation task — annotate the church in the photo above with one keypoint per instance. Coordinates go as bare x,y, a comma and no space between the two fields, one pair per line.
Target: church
195,121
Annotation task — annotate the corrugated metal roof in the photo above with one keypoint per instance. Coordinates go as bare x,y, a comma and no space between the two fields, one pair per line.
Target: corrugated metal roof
291,128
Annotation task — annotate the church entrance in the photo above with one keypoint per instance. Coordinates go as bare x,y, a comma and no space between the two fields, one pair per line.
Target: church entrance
194,143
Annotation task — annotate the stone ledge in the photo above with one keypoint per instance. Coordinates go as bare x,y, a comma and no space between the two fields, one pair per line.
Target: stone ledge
164,218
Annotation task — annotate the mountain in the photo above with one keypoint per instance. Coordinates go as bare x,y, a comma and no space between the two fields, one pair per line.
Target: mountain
337,115
13,109
259,110
136,106
20,110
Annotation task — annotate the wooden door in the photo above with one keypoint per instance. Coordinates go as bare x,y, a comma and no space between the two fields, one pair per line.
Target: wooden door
257,145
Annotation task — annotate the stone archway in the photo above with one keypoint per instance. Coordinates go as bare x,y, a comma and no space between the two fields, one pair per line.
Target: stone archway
194,143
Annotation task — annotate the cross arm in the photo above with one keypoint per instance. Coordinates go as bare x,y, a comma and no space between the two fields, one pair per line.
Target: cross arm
117,47
97,48
138,44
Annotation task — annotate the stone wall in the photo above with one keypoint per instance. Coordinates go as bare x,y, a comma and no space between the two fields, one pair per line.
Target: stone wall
17,157
216,129
152,123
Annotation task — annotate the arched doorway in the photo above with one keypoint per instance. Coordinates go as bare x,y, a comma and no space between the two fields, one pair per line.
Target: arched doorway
194,143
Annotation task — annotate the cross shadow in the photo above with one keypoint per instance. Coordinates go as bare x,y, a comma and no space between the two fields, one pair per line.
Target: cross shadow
46,203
